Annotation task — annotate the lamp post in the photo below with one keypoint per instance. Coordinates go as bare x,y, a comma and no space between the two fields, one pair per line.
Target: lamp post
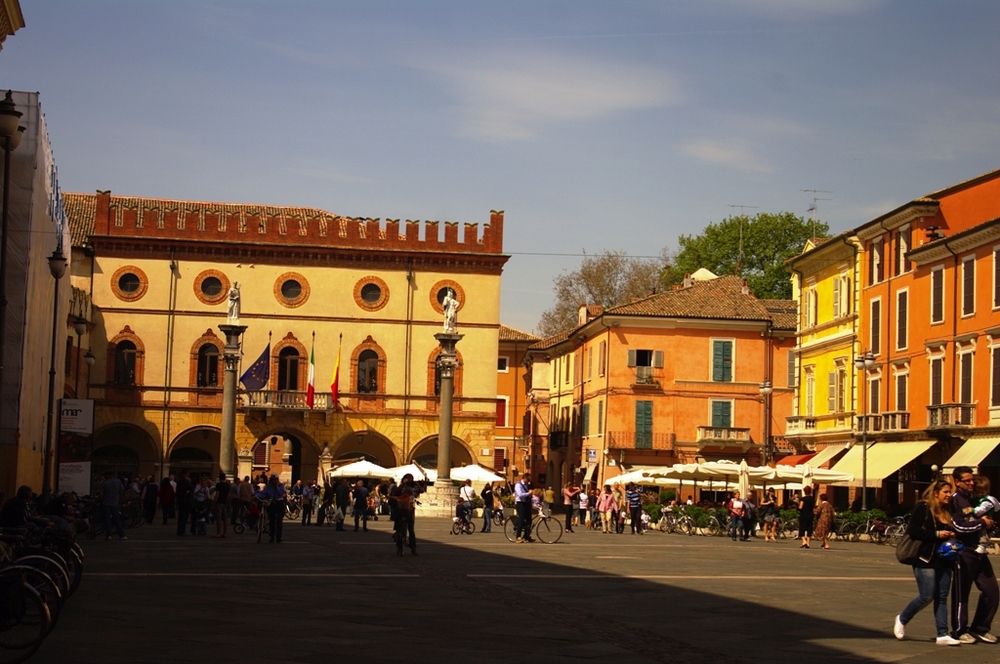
89,360
79,326
864,363
57,266
10,132
765,391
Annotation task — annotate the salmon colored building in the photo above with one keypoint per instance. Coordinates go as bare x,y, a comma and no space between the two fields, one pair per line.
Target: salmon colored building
512,451
672,378
927,308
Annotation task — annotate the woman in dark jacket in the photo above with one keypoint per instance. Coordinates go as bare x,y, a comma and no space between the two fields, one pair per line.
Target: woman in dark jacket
930,523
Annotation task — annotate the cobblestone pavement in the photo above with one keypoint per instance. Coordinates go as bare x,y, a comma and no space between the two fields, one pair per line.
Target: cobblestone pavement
321,595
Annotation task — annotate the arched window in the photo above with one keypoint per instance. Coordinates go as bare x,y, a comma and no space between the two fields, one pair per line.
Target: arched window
368,372
124,363
208,366
288,369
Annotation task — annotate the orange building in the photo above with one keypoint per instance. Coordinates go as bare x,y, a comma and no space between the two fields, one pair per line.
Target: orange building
512,451
927,308
671,378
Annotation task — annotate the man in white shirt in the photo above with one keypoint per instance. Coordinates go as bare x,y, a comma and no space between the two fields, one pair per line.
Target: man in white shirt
467,493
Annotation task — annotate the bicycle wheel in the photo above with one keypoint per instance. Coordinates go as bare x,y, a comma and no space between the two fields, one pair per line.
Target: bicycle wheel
238,528
498,518
456,528
470,528
510,528
713,529
24,619
47,589
548,530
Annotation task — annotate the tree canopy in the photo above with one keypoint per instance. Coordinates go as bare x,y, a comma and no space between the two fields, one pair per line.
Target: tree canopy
768,240
609,278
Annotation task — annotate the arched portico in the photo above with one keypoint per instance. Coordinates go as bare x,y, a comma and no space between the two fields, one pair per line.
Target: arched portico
425,453
125,449
371,445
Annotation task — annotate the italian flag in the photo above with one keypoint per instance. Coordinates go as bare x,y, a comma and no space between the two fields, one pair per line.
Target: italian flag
311,388
335,379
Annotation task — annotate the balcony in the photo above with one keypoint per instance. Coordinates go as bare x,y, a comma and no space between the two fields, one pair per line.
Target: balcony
286,400
896,420
798,425
724,437
943,416
870,423
647,377
558,440
640,440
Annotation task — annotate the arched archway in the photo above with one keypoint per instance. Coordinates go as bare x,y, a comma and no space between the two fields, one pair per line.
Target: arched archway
288,452
372,446
425,453
125,449
194,461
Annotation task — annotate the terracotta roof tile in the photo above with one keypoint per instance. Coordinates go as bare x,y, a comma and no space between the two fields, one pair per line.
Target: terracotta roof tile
80,210
511,334
549,342
715,298
784,313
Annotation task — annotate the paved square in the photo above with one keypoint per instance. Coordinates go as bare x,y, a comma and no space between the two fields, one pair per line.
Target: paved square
322,595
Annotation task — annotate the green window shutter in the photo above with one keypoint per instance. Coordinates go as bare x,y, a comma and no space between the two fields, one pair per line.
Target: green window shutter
722,413
585,419
722,360
644,425
600,417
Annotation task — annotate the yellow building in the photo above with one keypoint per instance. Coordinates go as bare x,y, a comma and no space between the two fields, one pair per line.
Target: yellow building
825,284
310,282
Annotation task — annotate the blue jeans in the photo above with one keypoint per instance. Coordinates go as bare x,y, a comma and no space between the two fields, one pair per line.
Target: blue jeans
487,519
735,527
933,584
113,515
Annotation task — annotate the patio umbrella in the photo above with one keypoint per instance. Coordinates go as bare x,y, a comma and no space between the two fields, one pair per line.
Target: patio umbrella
476,473
361,470
420,474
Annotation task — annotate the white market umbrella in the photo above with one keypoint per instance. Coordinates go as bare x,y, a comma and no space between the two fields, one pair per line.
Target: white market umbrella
476,473
361,470
420,474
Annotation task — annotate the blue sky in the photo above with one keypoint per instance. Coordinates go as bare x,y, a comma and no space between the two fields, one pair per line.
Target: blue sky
594,125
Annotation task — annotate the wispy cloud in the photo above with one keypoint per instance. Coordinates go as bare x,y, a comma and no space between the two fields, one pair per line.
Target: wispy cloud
511,96
794,11
734,154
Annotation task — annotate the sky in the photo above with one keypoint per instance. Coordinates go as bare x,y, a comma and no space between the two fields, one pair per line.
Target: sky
594,125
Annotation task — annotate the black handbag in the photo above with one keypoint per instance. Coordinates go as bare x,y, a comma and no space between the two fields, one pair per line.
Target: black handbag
908,550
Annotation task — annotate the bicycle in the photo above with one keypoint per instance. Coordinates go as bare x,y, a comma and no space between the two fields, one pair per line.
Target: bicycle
293,507
498,516
546,528
464,525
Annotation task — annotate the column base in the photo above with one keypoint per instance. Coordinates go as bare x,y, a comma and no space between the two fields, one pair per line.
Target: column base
438,500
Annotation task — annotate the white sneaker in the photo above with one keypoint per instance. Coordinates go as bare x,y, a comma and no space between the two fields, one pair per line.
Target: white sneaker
967,639
947,641
899,629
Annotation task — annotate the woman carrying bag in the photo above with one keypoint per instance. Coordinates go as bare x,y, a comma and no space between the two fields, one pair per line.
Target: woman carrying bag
930,524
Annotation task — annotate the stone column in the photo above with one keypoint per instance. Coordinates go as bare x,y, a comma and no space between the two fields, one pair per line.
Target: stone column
231,358
443,496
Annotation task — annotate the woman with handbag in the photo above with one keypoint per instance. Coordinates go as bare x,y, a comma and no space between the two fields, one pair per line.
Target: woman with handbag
930,523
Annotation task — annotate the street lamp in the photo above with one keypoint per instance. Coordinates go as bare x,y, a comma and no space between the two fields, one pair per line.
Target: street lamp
57,266
79,326
10,132
864,363
765,391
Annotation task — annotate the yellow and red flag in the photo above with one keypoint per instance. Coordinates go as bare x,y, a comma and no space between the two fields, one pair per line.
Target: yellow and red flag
335,380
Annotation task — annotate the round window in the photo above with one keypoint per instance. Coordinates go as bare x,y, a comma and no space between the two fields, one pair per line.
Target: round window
291,289
442,294
129,283
371,293
211,286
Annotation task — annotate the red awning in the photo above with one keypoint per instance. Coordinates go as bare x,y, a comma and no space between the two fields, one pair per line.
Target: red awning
796,459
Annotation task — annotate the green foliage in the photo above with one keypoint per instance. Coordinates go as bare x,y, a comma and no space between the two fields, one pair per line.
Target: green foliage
477,502
768,241
789,516
860,517
667,496
507,501
654,511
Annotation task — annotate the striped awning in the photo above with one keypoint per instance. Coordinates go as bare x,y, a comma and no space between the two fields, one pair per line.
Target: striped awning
826,454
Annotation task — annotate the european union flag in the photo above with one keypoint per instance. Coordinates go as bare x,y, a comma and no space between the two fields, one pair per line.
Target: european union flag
257,375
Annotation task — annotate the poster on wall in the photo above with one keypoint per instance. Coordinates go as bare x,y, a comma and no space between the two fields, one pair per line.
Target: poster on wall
76,444
75,477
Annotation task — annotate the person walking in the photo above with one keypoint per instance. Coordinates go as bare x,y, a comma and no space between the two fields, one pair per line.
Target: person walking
246,495
930,523
222,489
487,495
343,495
824,520
769,512
360,495
309,495
403,501
150,490
606,505
570,493
185,500
807,504
167,502
634,500
522,503
111,490
275,492
735,508
972,567
466,494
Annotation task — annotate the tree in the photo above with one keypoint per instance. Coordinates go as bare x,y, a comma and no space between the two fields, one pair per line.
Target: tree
607,279
768,240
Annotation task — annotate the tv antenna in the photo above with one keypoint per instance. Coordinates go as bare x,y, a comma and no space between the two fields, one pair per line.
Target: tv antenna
739,254
814,207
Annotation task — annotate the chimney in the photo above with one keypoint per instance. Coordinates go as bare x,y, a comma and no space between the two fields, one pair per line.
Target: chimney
746,288
688,281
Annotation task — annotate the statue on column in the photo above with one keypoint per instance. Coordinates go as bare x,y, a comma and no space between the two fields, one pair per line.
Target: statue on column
233,313
450,306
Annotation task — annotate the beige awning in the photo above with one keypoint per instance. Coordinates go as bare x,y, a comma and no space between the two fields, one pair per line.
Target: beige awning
591,470
883,460
826,454
972,453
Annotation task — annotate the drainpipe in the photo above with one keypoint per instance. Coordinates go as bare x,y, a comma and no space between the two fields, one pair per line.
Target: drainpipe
408,358
167,363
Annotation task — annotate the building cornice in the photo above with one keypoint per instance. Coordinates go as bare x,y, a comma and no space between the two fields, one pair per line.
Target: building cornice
902,215
960,242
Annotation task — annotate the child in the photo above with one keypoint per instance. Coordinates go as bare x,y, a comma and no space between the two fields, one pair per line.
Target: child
461,513
645,520
987,506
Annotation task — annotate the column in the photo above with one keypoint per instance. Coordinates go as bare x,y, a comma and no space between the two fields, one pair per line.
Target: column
231,358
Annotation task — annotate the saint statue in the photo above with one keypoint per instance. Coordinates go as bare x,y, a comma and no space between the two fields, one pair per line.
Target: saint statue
233,314
450,305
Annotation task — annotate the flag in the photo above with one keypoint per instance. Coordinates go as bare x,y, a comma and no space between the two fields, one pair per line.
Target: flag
257,375
311,387
335,380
